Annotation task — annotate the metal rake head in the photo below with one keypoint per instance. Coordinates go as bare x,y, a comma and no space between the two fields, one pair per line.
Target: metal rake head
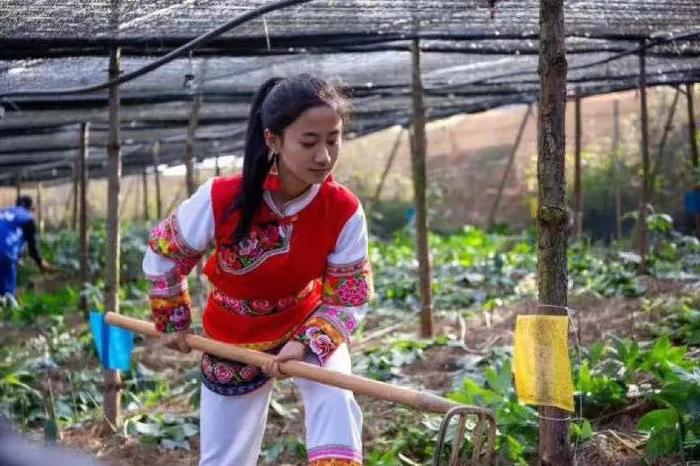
482,451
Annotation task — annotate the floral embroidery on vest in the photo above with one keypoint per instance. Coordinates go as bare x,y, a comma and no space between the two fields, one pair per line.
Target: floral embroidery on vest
263,242
171,314
260,307
348,284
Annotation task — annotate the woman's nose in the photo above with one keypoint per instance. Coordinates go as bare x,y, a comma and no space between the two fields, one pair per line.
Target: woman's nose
323,156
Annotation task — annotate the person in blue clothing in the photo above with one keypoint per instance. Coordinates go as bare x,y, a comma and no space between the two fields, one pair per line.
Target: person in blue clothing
17,227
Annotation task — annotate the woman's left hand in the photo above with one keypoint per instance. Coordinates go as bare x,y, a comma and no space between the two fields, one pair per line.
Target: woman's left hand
292,350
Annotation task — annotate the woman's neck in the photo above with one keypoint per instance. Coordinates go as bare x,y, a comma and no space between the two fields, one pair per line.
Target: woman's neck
291,187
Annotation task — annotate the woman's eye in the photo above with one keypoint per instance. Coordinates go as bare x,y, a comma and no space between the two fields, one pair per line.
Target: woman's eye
333,143
308,145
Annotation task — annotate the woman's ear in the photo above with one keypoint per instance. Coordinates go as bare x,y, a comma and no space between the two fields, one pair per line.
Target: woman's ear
272,141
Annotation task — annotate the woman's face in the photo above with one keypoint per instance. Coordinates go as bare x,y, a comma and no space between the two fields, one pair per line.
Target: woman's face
309,147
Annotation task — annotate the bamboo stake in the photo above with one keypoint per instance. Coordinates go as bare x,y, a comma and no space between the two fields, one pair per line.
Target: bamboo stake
692,133
144,178
616,168
509,165
656,169
385,173
156,171
578,193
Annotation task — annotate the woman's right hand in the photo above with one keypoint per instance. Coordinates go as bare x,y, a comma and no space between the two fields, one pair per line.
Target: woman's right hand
175,341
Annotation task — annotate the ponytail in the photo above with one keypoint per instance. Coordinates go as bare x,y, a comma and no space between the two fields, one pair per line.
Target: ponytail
256,163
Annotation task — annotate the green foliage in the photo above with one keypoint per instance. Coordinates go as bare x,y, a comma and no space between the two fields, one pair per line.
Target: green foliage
169,431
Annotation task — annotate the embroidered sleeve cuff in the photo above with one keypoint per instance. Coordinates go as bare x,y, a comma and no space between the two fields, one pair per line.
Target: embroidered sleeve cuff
173,313
348,284
320,337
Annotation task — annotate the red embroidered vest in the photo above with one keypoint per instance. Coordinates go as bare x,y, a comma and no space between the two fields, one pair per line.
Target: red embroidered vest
266,285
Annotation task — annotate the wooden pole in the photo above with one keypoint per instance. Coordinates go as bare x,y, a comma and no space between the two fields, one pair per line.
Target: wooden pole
578,194
389,162
144,177
74,219
217,168
83,177
692,133
39,207
418,155
554,446
616,168
656,169
112,378
188,160
509,166
645,161
156,171
18,185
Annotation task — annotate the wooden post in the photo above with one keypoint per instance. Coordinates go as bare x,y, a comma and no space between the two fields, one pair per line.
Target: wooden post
578,195
616,168
418,156
156,172
187,159
83,177
39,207
74,219
509,165
692,133
645,162
656,168
389,162
554,445
18,185
112,378
217,168
144,177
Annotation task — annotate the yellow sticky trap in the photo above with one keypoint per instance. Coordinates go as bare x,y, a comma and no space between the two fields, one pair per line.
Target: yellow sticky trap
541,361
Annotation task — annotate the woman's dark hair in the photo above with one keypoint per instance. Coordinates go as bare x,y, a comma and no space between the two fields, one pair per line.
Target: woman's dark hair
277,104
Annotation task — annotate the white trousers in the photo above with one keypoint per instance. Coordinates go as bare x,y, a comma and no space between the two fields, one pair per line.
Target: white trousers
232,427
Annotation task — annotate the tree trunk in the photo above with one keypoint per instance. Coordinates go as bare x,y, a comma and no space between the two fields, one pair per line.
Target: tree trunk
112,379
418,153
554,446
83,178
506,172
645,162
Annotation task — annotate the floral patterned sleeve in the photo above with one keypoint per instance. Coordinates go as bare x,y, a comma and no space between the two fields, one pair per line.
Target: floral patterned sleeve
347,288
175,246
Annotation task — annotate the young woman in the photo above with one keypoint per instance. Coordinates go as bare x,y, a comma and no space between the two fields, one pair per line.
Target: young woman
289,275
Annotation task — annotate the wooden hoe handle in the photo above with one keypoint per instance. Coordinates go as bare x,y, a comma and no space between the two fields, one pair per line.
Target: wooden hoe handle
422,401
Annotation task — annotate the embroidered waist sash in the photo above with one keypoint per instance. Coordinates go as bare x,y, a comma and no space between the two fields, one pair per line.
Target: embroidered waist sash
259,324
